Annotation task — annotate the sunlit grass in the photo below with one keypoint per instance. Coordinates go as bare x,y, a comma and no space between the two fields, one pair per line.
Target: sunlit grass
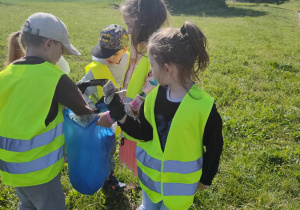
253,76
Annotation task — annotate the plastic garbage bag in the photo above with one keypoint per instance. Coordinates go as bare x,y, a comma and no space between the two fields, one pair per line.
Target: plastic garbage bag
88,147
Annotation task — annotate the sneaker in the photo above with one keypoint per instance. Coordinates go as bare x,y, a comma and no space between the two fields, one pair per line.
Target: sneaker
113,182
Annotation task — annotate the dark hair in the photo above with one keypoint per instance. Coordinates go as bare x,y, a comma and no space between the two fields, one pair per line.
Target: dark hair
148,16
28,39
15,51
185,47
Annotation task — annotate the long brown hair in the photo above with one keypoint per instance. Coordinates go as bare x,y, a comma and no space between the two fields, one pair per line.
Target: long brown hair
15,51
184,47
148,16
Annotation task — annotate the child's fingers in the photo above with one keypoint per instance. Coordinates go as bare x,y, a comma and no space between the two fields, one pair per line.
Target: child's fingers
103,121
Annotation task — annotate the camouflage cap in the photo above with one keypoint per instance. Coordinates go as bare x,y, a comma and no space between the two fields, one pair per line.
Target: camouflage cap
112,39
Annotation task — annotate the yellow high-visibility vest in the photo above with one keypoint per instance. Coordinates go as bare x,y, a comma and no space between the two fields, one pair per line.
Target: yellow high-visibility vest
31,153
173,175
137,83
101,71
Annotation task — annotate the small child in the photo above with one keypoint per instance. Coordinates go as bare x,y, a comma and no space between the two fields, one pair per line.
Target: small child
110,61
142,18
176,121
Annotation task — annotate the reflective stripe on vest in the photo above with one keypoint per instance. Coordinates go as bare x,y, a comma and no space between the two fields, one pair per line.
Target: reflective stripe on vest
169,189
183,167
18,145
34,165
148,182
146,159
169,165
173,189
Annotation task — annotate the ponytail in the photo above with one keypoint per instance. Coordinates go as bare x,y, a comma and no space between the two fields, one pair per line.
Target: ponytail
198,43
15,51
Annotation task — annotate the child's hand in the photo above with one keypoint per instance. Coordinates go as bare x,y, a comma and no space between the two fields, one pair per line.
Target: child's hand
108,91
132,108
104,120
83,86
202,186
116,107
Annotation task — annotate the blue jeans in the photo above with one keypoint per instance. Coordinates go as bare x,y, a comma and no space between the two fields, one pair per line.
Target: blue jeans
147,204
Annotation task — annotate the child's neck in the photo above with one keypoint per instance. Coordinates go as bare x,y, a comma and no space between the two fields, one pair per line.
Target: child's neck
177,91
36,52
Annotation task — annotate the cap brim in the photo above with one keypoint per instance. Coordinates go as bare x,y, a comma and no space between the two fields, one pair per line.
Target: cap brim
100,52
70,50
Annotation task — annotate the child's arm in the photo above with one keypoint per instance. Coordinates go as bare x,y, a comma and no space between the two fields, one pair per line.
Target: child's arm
70,96
139,129
213,140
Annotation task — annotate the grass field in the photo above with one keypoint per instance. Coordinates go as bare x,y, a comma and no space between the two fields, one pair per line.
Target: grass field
253,76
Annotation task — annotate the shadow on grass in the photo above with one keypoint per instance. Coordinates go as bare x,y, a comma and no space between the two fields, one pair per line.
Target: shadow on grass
225,12
121,199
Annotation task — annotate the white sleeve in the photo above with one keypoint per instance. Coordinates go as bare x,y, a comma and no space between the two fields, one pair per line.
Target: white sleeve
63,65
90,90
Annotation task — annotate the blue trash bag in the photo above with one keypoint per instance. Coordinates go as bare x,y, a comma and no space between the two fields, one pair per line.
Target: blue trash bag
102,107
88,151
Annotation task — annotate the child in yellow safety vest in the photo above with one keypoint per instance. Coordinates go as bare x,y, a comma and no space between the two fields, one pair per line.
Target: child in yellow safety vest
110,60
32,141
176,122
143,18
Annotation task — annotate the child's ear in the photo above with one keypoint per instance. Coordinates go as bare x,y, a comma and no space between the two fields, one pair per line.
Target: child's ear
168,69
47,43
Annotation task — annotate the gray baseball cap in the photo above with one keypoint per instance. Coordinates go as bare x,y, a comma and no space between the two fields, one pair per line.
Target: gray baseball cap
112,39
49,26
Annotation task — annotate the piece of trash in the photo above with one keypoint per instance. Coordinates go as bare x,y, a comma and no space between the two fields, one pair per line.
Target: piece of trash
83,120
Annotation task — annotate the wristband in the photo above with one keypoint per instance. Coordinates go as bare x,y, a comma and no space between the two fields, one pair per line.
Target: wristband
109,117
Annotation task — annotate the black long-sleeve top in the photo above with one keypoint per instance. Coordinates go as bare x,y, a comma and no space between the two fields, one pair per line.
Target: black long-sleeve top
164,112
66,93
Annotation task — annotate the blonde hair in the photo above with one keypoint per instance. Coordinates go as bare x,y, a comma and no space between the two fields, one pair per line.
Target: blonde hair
19,41
15,50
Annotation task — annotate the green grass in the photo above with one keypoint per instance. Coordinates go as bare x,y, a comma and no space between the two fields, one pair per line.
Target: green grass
253,76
